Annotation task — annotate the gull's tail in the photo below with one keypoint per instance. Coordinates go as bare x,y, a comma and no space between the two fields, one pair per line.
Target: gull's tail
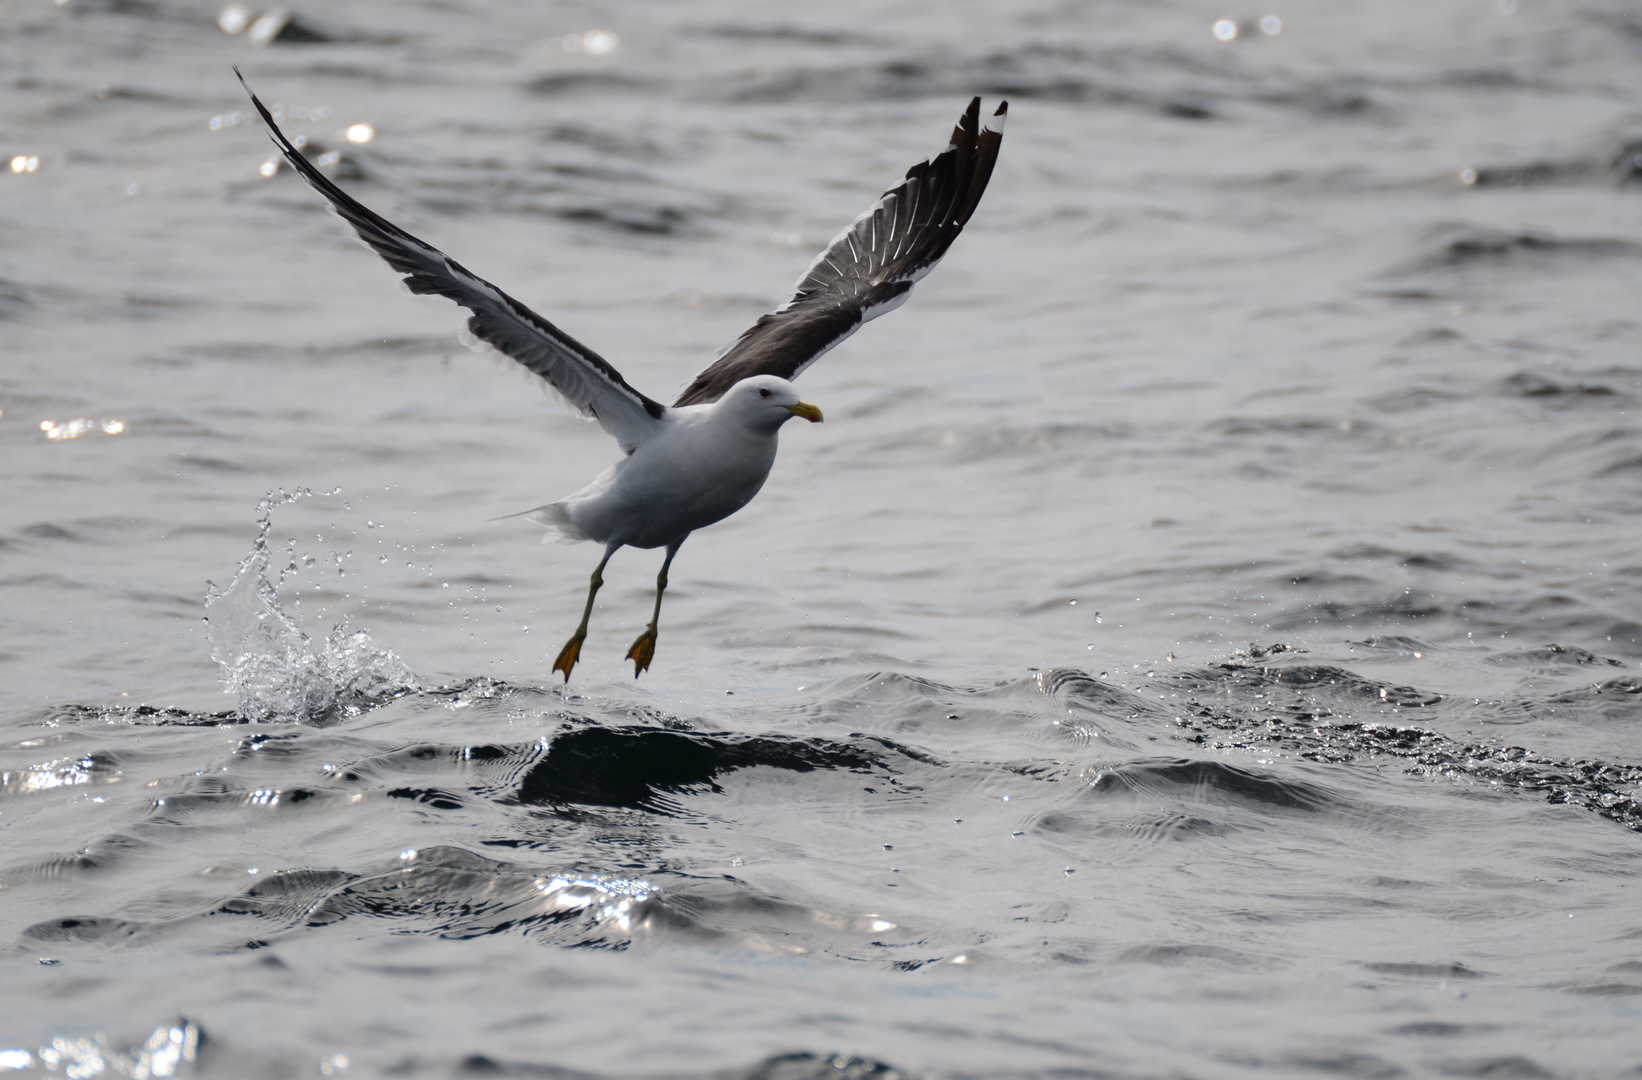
553,518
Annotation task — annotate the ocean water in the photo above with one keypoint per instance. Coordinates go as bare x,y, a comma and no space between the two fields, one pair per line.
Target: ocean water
1204,639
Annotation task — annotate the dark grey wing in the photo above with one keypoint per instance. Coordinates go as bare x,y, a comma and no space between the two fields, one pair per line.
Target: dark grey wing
871,266
584,378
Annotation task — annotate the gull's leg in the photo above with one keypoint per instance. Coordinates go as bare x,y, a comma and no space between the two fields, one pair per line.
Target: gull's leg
573,648
645,647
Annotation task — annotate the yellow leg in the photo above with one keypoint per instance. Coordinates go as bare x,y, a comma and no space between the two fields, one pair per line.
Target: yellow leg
572,650
644,649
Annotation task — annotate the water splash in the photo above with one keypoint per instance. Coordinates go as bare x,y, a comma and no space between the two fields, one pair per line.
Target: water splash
266,661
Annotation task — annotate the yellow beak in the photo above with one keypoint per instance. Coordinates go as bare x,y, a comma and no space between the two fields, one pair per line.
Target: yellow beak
807,411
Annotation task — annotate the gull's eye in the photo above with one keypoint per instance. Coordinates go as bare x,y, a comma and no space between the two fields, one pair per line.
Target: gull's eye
765,392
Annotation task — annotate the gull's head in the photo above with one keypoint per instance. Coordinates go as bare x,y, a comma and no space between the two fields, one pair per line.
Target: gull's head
767,402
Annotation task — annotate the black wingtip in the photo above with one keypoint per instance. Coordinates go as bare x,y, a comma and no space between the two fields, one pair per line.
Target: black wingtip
1003,109
274,133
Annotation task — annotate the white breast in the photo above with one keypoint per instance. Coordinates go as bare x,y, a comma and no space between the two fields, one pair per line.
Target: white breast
690,475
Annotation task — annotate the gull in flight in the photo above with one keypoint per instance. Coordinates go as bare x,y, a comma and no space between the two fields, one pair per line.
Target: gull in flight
699,460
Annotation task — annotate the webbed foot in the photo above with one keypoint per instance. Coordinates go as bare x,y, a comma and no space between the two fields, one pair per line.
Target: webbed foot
568,655
643,651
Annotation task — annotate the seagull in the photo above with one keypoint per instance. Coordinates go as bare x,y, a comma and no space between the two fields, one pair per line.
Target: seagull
699,460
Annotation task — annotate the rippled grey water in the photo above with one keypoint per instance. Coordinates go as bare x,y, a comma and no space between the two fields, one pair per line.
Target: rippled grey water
1205,638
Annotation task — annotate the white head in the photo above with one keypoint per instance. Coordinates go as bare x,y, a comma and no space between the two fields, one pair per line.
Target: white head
765,402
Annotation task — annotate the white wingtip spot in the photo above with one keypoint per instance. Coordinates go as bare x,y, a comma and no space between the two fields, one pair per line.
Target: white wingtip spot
996,120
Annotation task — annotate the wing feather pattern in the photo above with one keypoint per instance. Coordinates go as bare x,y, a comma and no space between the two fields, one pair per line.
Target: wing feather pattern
871,266
578,373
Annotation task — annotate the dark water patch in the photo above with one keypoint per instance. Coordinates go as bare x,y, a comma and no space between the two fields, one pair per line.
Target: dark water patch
728,908
785,32
623,202
1550,614
482,771
453,893
1033,72
631,767
605,142
1412,398
1438,1029
1485,78
1336,682
1620,166
56,868
287,896
437,798
274,904
1150,828
84,930
444,891
567,83
271,744
1293,716
1097,696
1603,989
46,530
1437,335
1416,970
1460,247
801,1065
808,1066
1536,174
1170,83
208,796
1366,1066
1330,100
1187,109
1625,164
1623,467
906,705
1378,554
137,716
1532,384
1188,956
1400,607
642,220
211,464
1498,1068
1213,782
1322,687
1616,699
1552,657
14,299
1302,426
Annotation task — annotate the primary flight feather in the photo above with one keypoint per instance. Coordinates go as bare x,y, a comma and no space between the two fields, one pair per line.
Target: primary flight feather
704,457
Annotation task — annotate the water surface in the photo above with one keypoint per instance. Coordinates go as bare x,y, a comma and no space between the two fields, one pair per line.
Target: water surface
1205,638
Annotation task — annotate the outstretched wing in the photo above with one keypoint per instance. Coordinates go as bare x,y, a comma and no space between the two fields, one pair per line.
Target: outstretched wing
871,266
584,378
